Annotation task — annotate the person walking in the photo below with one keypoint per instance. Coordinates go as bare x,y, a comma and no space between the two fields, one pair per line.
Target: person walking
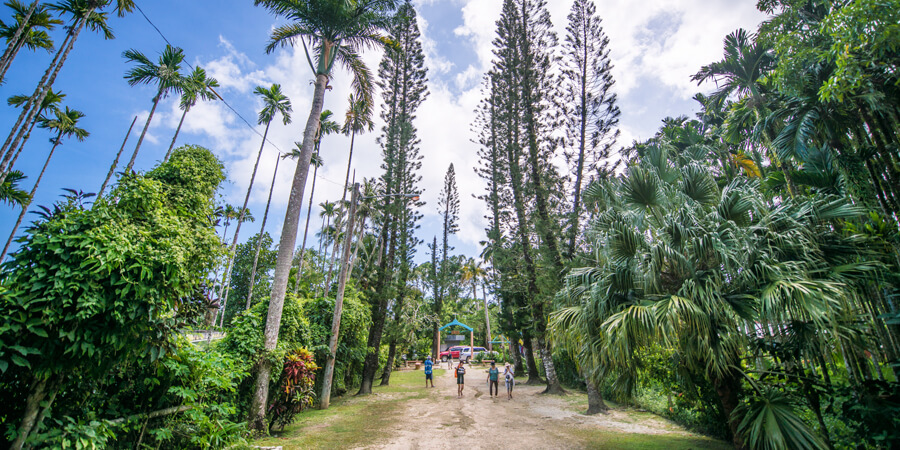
429,373
493,376
509,376
460,379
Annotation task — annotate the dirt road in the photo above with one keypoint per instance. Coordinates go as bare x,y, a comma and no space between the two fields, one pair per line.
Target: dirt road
528,421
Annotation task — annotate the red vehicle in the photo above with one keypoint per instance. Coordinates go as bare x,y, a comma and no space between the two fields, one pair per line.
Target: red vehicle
451,353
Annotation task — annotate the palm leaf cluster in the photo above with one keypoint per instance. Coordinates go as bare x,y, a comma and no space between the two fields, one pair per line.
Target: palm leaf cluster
708,267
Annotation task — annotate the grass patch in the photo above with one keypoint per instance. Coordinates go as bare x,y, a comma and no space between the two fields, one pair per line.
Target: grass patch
351,421
628,441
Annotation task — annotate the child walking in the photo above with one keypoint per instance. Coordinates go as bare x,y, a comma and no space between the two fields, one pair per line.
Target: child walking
460,379
509,376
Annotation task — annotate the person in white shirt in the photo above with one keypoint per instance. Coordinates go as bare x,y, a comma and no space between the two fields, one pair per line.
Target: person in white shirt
509,376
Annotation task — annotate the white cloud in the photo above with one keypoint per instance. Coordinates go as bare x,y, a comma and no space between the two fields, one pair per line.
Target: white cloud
659,42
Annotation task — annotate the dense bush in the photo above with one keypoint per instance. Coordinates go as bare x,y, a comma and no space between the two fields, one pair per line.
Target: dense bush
94,293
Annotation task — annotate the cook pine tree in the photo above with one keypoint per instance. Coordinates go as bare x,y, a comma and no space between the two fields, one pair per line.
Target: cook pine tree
402,78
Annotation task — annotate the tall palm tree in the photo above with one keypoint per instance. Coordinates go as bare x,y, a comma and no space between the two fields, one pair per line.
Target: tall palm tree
21,22
115,163
742,72
164,75
29,30
471,273
357,120
337,31
274,103
49,105
197,86
84,13
326,126
66,125
262,229
328,212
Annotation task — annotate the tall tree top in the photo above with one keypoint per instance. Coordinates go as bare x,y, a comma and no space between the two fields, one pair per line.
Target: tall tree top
448,203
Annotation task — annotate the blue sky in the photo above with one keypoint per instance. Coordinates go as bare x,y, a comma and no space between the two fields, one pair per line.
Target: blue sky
655,49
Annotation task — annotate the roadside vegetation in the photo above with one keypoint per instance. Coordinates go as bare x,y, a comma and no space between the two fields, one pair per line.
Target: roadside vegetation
736,273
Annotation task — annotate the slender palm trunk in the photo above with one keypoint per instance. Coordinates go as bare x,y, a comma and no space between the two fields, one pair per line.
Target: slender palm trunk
30,197
285,253
312,191
323,248
226,278
33,106
487,319
343,199
15,157
144,132
177,130
112,168
262,229
16,43
325,394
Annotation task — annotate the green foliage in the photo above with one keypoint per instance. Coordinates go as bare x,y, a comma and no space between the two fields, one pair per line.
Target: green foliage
769,422
295,388
240,274
68,285
92,289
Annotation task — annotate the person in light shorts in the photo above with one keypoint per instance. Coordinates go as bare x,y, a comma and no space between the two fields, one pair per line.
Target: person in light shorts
509,376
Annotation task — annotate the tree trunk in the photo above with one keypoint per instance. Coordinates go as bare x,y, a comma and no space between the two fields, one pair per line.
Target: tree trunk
226,278
325,395
553,386
312,191
517,357
262,230
144,131
389,366
18,152
534,378
29,418
285,254
343,199
30,197
16,42
728,390
112,168
33,106
379,312
177,130
595,399
487,319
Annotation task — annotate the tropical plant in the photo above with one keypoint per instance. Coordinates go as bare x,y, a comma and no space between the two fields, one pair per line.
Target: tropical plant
84,13
29,30
49,105
66,125
695,266
196,86
10,192
164,75
66,318
262,229
337,31
274,103
403,79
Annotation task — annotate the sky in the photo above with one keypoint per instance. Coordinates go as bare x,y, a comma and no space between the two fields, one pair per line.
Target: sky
656,45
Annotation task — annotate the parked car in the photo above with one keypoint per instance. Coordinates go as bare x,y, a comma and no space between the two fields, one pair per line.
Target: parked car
467,353
450,353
